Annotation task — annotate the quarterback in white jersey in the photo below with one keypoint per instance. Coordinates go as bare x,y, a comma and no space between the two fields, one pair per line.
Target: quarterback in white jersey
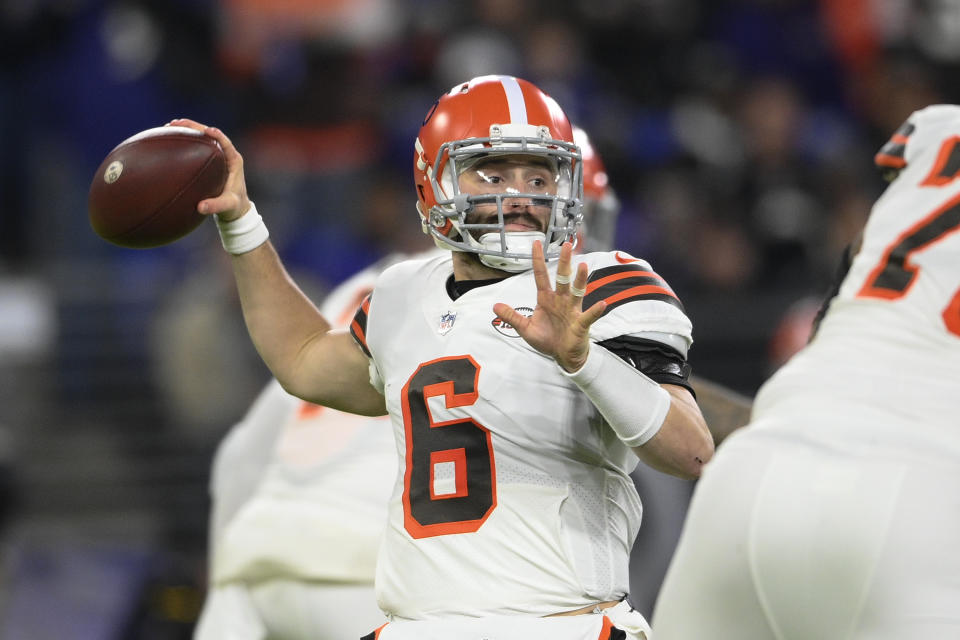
513,501
834,514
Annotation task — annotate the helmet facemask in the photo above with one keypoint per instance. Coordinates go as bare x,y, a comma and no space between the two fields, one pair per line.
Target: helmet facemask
497,248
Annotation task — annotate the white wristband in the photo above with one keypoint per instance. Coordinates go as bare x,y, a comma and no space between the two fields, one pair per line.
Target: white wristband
244,234
632,404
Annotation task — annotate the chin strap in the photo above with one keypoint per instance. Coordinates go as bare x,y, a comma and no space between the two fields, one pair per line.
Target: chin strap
517,242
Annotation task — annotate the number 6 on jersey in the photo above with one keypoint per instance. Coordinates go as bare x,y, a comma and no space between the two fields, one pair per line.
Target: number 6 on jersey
449,485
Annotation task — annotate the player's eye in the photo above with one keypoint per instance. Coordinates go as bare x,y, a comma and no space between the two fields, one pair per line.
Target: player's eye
489,178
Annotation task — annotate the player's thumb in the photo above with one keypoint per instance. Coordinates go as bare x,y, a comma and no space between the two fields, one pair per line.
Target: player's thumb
507,313
227,205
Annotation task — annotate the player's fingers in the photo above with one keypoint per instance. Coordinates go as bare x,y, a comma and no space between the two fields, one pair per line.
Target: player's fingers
233,201
540,275
507,313
227,201
563,268
579,287
224,141
213,132
186,122
593,314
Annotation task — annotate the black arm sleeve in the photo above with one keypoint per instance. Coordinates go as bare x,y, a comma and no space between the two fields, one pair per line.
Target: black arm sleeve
659,362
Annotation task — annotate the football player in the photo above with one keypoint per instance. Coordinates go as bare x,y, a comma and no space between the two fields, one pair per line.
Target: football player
522,383
299,492
834,513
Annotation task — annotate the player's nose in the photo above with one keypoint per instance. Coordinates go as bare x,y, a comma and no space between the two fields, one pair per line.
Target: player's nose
518,202
513,199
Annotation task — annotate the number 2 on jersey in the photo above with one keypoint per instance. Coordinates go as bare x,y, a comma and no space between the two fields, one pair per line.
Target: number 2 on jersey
449,484
892,277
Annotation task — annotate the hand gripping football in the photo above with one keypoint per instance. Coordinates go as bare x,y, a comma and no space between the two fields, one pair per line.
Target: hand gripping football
146,191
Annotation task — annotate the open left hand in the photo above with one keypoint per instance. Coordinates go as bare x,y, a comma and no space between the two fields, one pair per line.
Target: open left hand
559,327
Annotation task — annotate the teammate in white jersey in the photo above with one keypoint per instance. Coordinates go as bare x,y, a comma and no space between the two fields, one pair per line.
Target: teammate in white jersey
835,513
515,402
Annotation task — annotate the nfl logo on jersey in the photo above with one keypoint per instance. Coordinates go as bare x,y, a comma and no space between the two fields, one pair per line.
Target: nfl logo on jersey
446,322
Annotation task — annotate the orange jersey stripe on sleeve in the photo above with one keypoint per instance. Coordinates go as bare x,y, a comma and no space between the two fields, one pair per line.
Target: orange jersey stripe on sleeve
593,285
621,284
891,155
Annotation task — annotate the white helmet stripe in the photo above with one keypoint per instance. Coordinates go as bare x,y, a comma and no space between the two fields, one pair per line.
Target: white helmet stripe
518,106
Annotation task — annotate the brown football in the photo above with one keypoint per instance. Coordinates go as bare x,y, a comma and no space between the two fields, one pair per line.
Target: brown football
146,191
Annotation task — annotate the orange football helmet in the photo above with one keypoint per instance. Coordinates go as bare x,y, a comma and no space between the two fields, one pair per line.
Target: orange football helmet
495,115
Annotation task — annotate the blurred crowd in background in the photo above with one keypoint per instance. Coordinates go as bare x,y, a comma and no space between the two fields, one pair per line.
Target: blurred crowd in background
738,136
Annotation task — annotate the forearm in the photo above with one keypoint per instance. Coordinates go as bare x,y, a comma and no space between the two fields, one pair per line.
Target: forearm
683,444
296,342
281,319
662,423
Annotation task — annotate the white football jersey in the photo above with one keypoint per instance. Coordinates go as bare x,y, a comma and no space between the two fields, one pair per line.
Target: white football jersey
897,313
514,495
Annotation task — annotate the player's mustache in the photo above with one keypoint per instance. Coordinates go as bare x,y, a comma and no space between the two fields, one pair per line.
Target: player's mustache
519,217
